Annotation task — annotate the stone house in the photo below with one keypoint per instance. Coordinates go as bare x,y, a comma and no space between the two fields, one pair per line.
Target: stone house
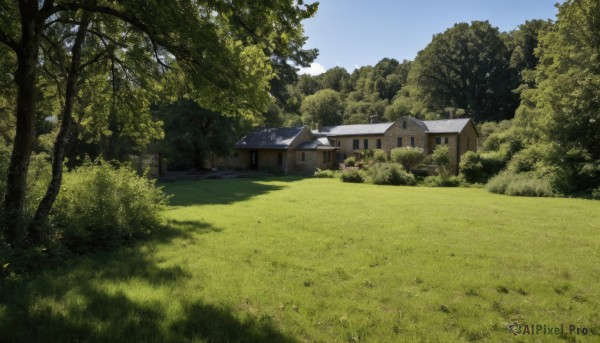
459,134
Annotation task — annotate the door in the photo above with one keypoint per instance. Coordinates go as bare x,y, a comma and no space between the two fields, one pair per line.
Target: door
254,159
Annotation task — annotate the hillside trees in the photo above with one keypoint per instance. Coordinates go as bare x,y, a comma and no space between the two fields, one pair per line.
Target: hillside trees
324,108
559,118
466,67
224,49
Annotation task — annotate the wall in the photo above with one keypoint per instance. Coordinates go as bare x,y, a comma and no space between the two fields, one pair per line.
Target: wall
412,130
452,146
313,159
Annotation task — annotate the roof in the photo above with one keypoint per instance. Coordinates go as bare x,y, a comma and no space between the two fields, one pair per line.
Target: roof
320,143
275,138
446,126
353,130
431,126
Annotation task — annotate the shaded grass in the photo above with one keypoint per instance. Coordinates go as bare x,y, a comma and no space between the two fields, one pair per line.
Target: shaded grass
319,260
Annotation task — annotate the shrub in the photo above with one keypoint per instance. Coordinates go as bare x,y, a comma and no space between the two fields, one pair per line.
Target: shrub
471,168
101,206
324,173
366,155
437,181
408,157
352,175
390,174
519,185
596,193
441,158
492,163
350,161
360,164
379,156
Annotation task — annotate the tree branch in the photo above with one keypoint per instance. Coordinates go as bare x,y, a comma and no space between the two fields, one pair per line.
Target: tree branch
8,40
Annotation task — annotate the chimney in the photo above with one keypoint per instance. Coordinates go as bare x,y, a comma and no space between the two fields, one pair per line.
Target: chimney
318,127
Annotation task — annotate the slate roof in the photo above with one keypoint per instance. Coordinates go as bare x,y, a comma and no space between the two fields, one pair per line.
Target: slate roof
431,126
275,138
446,126
353,130
320,143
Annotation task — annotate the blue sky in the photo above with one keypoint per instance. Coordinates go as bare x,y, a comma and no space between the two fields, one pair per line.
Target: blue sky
354,33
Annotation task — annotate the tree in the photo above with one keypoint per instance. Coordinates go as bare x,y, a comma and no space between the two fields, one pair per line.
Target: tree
522,43
324,108
559,117
192,134
224,49
335,78
466,67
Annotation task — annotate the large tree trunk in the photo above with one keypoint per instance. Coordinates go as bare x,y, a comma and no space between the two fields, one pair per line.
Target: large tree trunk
36,234
25,79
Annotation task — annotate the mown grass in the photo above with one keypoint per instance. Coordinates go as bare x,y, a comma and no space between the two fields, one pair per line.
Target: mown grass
294,260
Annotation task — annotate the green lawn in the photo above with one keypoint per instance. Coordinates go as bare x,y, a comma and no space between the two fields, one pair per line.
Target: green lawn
317,260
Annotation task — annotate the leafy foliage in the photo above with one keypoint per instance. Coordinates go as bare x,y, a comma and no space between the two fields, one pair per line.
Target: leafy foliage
324,108
352,175
471,167
101,207
192,134
519,185
466,67
441,158
389,174
325,174
408,157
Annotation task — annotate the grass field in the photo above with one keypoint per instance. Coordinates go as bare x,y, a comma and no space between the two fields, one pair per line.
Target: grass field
317,260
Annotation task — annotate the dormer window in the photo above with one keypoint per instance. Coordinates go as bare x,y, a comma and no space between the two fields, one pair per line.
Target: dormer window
404,124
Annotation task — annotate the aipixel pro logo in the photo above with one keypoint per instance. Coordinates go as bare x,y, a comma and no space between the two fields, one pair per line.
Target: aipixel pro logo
542,329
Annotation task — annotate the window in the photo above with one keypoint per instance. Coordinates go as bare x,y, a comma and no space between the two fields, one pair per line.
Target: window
324,156
445,140
399,142
303,156
404,124
366,144
412,142
378,143
438,140
355,144
280,160
339,144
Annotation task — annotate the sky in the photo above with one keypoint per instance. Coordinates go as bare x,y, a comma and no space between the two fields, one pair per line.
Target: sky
356,33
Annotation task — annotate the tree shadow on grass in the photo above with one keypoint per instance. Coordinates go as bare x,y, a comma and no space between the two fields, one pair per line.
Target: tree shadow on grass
221,192
122,296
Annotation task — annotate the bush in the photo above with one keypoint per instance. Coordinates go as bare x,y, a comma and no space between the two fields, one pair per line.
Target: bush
379,156
350,161
437,181
471,168
596,193
441,158
492,163
519,185
325,173
352,175
390,174
408,157
360,164
101,206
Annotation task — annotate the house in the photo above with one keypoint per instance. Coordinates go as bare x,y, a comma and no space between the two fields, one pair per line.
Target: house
293,150
459,134
300,150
